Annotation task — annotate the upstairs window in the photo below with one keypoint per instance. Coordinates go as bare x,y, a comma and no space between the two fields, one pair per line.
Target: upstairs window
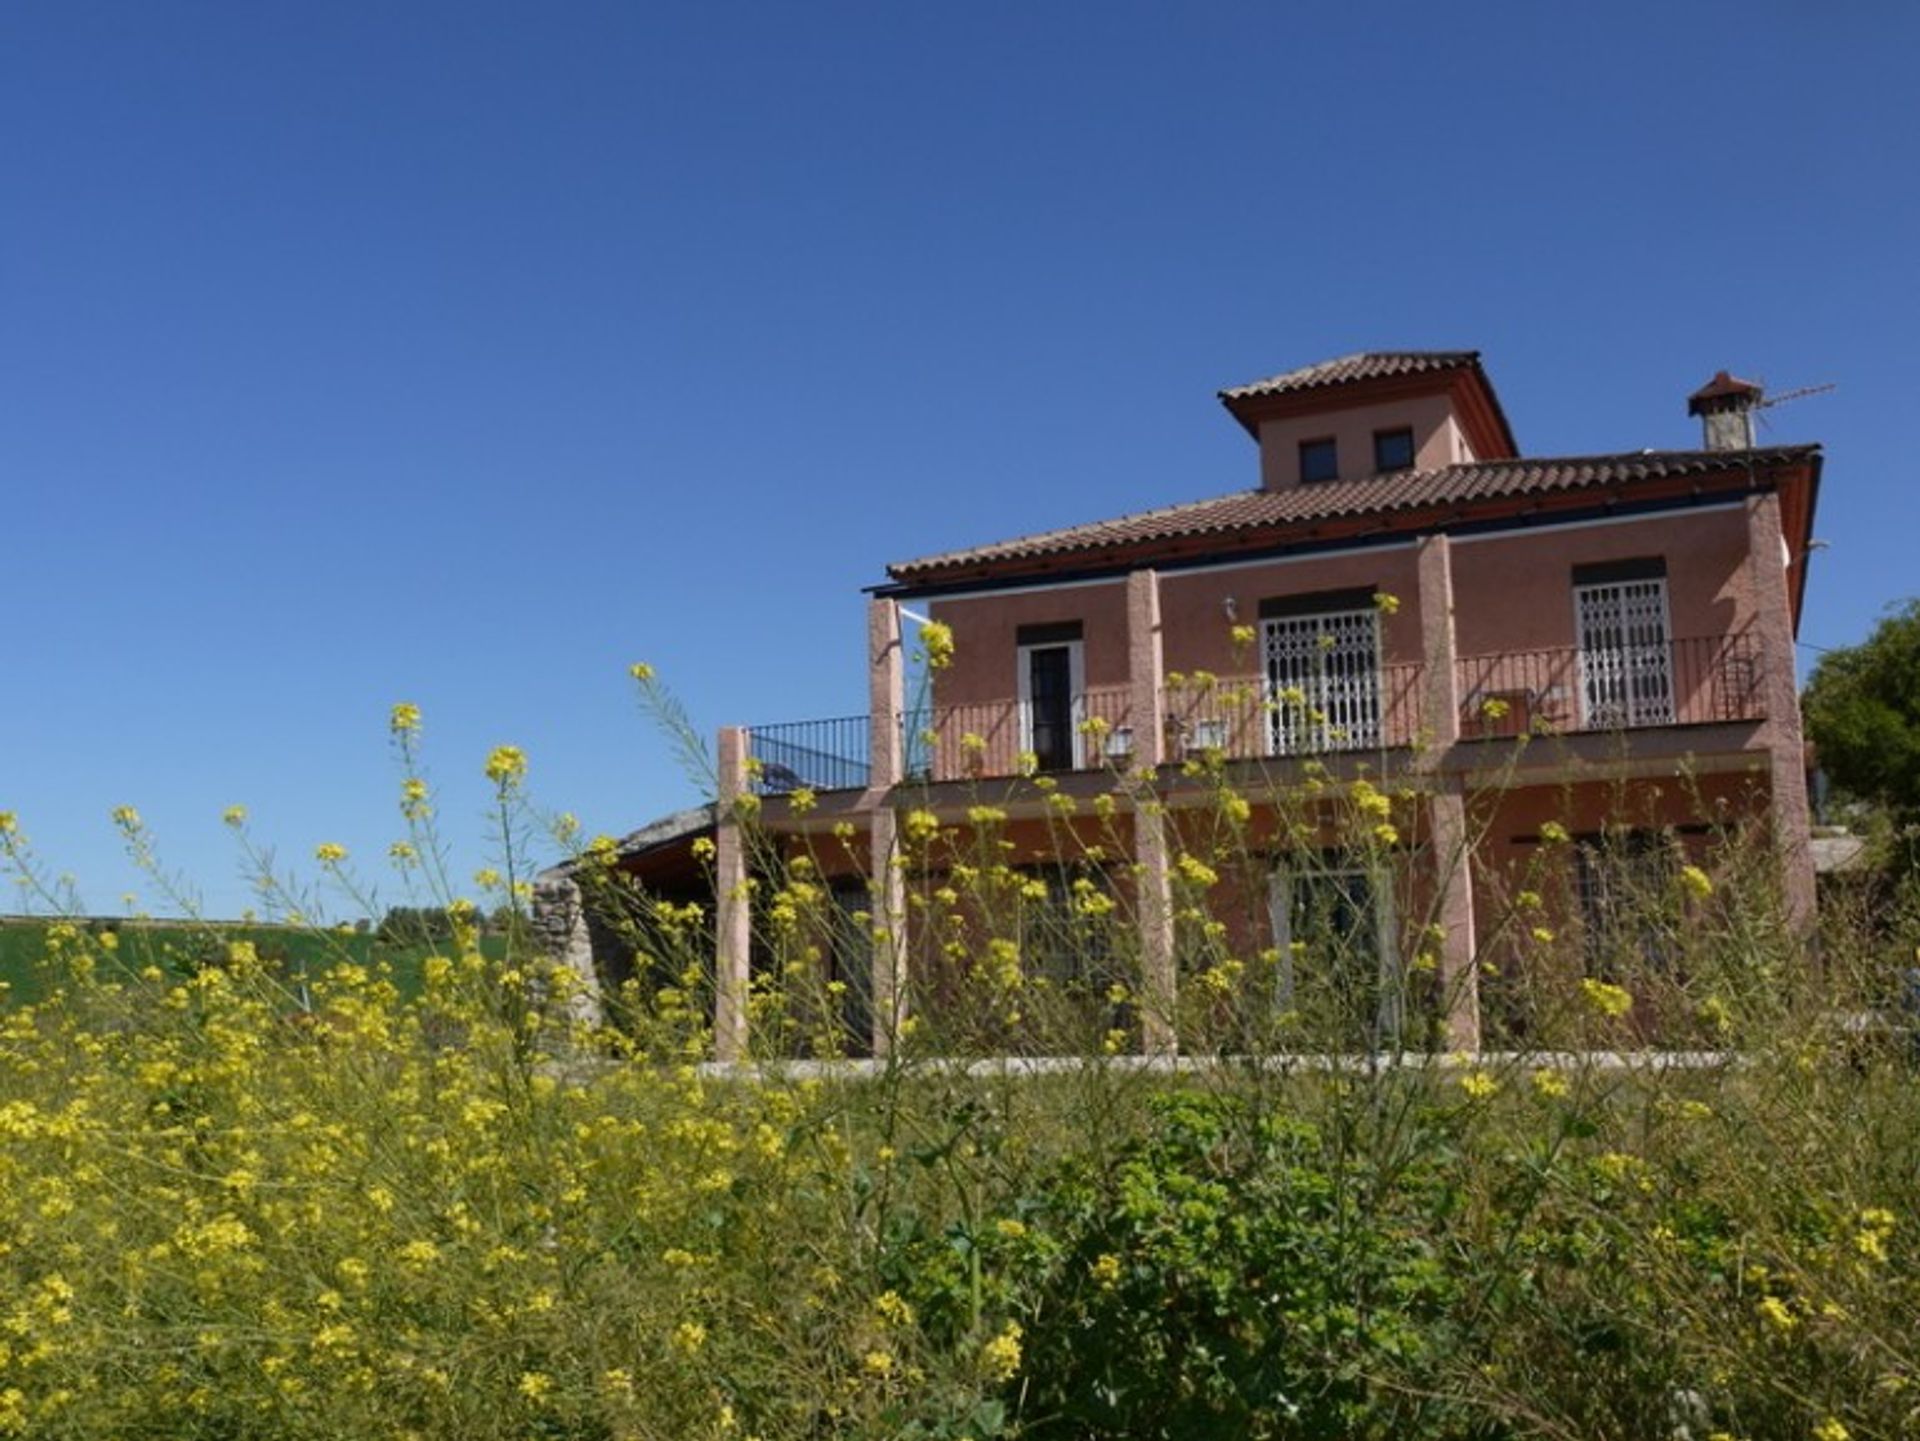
1393,450
1319,460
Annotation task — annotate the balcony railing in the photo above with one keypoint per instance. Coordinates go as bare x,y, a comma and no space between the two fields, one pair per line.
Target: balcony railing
1563,690
996,738
819,755
1573,689
1347,708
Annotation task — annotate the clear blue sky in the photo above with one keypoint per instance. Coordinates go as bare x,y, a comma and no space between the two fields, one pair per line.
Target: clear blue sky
465,353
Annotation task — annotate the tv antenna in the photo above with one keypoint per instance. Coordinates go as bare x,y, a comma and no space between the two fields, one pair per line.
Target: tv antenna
1768,402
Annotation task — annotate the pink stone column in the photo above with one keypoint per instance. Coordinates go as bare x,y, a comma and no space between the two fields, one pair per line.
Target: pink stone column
1154,885
1452,846
886,704
1448,838
733,932
1786,741
1440,688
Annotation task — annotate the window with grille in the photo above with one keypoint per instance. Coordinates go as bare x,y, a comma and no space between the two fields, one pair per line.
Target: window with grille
1626,653
1323,681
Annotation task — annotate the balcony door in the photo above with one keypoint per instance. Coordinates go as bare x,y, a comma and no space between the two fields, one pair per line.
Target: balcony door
1052,702
1322,681
1626,653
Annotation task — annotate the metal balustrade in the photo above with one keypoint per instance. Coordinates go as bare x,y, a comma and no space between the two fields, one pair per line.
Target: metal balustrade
1247,717
1559,690
819,755
1008,737
1570,689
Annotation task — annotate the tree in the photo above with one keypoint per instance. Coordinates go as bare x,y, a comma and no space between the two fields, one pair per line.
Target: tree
1863,713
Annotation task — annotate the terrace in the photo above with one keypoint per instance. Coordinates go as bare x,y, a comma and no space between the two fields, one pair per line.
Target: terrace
1562,691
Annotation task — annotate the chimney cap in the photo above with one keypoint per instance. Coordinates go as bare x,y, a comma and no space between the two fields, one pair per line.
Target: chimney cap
1723,392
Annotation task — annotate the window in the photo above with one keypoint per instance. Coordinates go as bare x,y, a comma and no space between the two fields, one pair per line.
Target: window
1322,661
1393,449
1621,880
1333,926
1625,645
1319,460
1067,936
1052,694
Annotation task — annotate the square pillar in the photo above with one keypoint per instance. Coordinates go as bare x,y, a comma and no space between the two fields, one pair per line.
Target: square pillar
1448,840
733,928
886,695
1440,688
886,749
1767,555
1452,845
1153,886
888,929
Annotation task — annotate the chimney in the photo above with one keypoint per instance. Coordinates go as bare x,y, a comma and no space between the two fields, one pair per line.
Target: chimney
1725,406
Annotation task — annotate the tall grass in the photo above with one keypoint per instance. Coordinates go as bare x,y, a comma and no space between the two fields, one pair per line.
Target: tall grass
1675,1197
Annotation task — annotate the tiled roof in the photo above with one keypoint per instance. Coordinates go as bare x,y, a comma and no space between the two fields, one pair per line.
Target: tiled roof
1380,495
1363,365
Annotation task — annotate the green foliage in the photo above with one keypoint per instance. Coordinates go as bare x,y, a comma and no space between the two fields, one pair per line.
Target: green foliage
1230,1274
1863,712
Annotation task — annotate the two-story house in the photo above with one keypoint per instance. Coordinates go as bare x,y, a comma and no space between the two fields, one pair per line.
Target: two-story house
1401,595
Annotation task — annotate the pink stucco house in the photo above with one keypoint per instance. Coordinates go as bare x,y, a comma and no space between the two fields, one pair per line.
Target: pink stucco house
1638,610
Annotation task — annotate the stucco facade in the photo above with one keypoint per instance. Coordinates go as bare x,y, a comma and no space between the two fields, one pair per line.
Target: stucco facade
1631,616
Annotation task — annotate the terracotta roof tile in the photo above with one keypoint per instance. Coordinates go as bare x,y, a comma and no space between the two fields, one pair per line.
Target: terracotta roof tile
1382,495
1362,365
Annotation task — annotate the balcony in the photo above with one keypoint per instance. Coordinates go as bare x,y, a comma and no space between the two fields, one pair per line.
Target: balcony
1354,709
1572,690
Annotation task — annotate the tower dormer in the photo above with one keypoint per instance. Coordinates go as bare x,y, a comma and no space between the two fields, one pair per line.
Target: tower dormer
1372,414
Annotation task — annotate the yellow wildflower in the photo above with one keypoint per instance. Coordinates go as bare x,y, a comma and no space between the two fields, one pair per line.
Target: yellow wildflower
329,853
1479,1085
506,765
890,1308
1196,871
234,815
1609,1000
1696,882
640,671
404,719
936,639
1549,1083
535,1385
1000,1357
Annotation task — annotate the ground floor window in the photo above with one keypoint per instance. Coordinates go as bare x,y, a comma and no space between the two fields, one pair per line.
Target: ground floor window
1621,880
1339,966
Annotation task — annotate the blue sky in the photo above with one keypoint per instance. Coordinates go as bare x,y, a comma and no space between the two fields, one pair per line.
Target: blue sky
464,354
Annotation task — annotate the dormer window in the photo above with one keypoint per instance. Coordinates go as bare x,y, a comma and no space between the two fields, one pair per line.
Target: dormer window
1319,460
1392,450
